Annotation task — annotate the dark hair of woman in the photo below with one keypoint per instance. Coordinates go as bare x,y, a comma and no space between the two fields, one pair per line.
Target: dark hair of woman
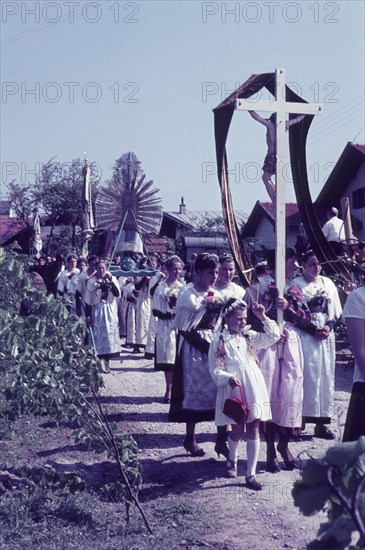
206,260
307,255
290,253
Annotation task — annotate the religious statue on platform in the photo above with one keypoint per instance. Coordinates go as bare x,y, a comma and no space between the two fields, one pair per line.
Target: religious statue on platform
269,167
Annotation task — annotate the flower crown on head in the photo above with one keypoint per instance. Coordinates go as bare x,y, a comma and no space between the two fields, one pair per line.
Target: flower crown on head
210,256
234,305
226,257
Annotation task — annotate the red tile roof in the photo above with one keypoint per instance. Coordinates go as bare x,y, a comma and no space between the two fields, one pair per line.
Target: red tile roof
9,227
266,209
291,211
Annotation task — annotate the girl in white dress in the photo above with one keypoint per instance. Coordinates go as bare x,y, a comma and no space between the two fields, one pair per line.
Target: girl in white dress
227,289
232,362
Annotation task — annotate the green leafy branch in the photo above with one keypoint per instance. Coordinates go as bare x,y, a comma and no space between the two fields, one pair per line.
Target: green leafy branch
352,505
336,484
46,368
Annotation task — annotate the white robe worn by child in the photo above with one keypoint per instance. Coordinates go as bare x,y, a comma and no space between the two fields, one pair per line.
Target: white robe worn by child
241,363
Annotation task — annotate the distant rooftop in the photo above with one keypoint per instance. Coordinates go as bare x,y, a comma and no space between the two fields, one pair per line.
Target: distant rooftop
291,212
195,218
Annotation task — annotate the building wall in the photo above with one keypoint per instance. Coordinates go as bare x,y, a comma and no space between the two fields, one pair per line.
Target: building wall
265,232
357,213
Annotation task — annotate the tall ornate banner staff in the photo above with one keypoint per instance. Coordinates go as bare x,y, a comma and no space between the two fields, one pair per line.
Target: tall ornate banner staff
37,236
88,224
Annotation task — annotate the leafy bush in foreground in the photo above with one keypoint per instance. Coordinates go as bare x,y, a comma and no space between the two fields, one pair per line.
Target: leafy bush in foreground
47,369
336,484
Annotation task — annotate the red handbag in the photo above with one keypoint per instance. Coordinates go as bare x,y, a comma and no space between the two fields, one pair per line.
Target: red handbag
237,409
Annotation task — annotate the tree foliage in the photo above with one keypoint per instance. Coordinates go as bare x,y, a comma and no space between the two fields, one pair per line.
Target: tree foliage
335,484
23,201
212,227
46,369
57,195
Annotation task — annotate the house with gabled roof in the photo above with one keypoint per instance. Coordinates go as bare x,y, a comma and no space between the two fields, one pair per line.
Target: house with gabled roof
175,224
261,224
347,179
186,224
11,228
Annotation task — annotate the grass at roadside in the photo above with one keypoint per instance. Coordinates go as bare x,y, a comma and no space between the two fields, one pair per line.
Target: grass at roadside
52,518
45,520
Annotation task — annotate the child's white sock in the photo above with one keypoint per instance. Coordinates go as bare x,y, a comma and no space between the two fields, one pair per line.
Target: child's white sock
233,446
253,449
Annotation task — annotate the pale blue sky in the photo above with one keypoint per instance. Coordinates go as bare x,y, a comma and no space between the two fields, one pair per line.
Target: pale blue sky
172,62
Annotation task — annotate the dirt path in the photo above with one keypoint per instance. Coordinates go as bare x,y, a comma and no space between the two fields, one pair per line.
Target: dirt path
240,518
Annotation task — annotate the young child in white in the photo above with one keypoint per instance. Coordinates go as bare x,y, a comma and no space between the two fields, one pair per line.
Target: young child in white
232,361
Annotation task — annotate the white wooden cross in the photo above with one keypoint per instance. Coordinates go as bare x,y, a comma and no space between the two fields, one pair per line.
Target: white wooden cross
281,107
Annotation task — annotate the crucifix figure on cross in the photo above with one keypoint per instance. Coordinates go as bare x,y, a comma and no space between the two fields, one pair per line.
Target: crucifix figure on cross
276,126
277,141
269,167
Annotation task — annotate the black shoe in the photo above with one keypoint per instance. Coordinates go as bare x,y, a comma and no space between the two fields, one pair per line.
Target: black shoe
288,458
251,483
273,466
136,349
193,449
221,448
323,432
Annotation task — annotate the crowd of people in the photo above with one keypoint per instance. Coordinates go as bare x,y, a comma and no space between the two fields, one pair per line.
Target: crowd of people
214,339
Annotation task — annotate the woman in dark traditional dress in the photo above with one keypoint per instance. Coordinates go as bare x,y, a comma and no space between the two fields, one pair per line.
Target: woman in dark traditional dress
193,390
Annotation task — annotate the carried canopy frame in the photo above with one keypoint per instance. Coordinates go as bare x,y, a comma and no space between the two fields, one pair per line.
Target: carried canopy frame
223,114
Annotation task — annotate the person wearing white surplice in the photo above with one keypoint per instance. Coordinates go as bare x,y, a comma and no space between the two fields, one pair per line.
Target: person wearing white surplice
130,294
123,280
320,297
163,307
101,311
82,266
143,312
82,280
66,285
233,363
160,276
